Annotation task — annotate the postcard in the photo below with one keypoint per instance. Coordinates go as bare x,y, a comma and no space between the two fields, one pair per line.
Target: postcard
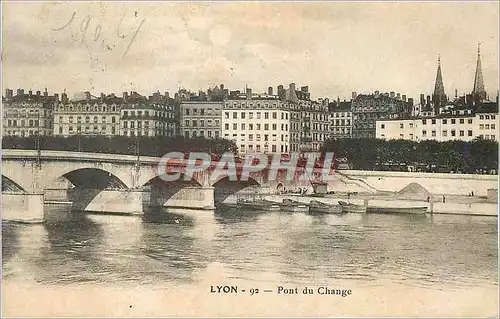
250,159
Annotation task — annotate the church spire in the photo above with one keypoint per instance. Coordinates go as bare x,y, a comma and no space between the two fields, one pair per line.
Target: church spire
478,91
439,97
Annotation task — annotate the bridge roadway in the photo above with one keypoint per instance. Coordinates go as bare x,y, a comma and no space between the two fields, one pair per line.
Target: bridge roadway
114,183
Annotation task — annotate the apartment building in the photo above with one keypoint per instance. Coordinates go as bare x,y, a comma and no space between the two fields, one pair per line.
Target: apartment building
27,114
462,125
201,119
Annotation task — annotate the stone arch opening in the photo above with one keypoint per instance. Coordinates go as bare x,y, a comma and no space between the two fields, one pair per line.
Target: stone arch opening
94,178
162,191
226,190
8,185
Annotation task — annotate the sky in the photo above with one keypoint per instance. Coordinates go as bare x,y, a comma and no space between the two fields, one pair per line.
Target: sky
335,48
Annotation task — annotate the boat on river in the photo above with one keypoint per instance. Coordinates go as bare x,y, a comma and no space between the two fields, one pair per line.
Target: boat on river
396,210
323,208
293,206
259,204
352,208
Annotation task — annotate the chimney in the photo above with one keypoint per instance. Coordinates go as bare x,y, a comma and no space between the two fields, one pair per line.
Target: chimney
222,87
87,96
38,93
377,93
125,96
398,96
249,93
102,96
410,101
30,93
56,97
167,95
8,94
45,93
456,93
353,95
422,99
64,98
404,97
292,87
428,100
270,90
304,89
392,94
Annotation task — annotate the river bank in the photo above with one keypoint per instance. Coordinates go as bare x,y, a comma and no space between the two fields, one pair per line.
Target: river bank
453,204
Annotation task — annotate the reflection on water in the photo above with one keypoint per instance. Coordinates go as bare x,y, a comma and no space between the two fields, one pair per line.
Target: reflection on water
296,248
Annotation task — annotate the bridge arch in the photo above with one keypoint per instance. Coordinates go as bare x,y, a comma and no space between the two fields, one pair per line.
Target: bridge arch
225,187
92,178
162,191
8,185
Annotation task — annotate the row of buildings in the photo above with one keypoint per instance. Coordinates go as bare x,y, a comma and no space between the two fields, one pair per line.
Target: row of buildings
285,120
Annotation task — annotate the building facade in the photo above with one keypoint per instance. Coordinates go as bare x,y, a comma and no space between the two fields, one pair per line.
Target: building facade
257,123
341,120
368,108
201,119
27,114
153,116
89,116
461,125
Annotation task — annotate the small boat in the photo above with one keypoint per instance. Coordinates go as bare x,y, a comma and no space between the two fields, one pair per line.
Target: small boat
352,208
259,204
396,210
294,206
323,208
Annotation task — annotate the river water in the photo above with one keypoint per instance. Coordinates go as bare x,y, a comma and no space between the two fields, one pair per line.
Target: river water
455,257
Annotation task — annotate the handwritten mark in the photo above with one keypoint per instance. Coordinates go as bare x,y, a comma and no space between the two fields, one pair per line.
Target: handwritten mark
133,38
67,24
98,32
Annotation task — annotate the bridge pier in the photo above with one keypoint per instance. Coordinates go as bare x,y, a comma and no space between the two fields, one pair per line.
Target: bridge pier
118,201
23,207
189,197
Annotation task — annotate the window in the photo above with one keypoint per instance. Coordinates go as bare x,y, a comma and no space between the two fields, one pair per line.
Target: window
445,121
242,115
274,127
433,133
453,121
424,133
266,127
401,125
433,121
492,126
469,121
275,116
461,133
242,126
445,133
486,117
250,137
266,115
235,126
487,126
469,133
258,127
202,122
492,137
481,126
186,123
226,126
113,120
226,115
195,123
202,111
382,126
411,125
250,115
462,121
186,133
424,122
274,148
492,117
258,115
481,117
453,133
60,130
235,115
250,127
266,137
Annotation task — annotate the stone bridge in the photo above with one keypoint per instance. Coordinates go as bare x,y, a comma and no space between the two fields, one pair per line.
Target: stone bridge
115,183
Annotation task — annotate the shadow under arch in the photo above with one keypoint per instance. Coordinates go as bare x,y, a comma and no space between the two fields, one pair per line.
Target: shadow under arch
85,184
161,191
224,187
8,185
